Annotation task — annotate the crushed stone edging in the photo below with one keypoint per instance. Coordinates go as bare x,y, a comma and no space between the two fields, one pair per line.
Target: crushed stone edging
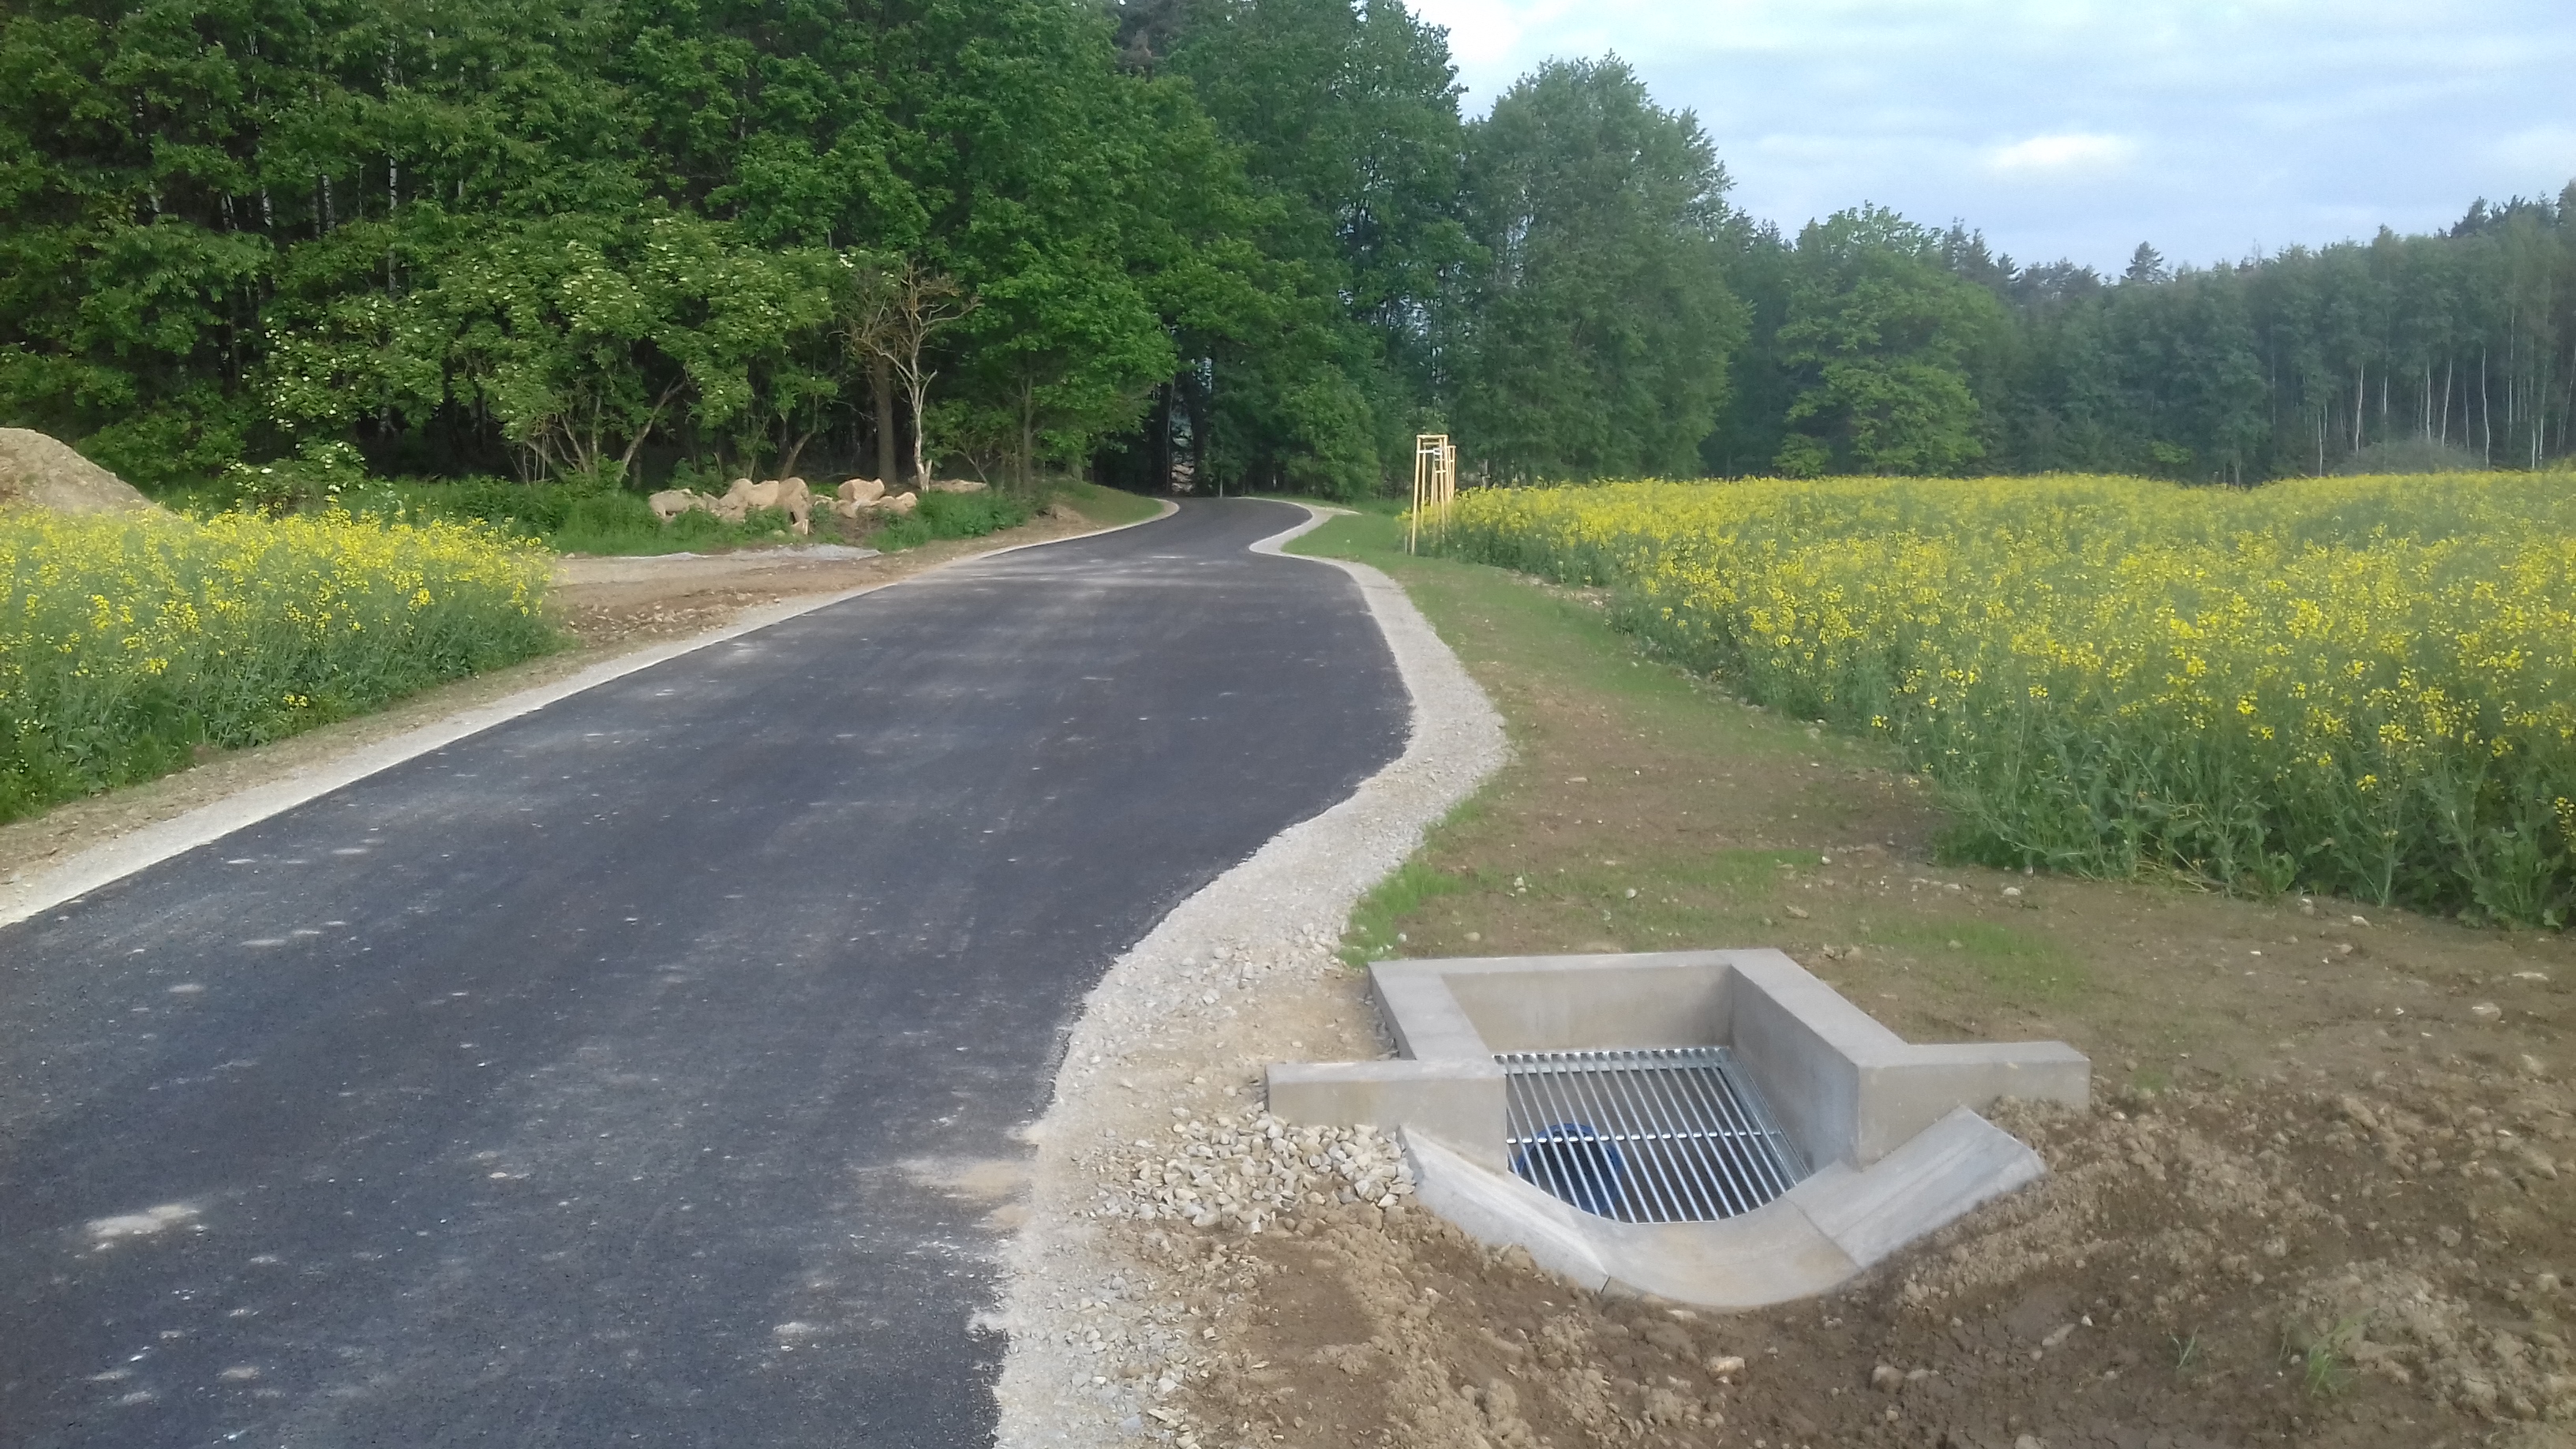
1162,1033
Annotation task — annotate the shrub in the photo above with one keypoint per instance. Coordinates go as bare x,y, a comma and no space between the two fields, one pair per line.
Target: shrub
952,515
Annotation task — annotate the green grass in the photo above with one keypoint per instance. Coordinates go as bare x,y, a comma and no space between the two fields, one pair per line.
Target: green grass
2016,965
951,515
1538,863
2323,1356
1374,931
1494,617
1110,506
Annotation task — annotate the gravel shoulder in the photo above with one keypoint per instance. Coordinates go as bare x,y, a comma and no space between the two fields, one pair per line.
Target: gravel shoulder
1126,1269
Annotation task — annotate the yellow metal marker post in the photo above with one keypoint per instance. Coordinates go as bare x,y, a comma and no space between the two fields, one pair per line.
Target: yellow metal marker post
1435,485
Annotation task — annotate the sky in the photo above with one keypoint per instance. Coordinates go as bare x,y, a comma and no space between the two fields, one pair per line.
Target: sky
2079,129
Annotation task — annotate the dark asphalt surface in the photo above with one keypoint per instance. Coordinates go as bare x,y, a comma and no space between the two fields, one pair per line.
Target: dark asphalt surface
559,1087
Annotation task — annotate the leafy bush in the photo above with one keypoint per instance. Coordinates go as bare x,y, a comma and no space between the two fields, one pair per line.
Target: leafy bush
952,515
2365,686
127,641
314,478
581,516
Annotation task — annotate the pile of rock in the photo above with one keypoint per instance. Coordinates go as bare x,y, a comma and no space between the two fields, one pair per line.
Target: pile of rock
42,473
867,495
1242,1171
789,494
855,497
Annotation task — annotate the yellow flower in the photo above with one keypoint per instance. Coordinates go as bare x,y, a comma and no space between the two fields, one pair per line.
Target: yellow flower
2394,651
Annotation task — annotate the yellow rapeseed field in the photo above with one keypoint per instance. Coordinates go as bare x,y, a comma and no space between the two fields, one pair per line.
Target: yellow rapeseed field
127,640
2359,685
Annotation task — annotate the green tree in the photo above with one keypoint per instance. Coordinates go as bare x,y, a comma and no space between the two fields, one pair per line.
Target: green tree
1346,118
1601,328
1879,336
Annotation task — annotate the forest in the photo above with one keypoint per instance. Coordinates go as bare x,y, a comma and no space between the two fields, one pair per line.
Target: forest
1244,244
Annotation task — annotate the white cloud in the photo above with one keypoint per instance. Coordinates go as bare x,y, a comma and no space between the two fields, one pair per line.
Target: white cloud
2542,151
2225,122
1484,37
2072,153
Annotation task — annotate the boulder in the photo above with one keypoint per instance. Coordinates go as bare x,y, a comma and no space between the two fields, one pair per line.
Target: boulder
789,494
900,503
735,503
671,503
956,485
39,472
861,491
798,500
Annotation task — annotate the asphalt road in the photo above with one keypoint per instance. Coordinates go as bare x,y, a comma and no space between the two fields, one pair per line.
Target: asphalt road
644,1071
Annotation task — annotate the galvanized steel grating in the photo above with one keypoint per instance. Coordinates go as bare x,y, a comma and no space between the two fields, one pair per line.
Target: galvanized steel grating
1660,1135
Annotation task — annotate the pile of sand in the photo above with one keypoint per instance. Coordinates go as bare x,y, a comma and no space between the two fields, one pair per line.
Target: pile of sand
38,472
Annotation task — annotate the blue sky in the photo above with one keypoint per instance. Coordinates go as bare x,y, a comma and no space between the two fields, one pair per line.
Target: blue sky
2080,129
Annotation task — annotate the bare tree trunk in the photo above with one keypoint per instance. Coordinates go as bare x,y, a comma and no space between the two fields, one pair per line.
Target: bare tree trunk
1028,433
881,381
652,420
1197,401
917,390
1158,443
2486,411
787,465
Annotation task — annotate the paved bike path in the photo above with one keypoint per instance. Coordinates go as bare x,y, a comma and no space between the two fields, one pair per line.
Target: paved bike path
645,1070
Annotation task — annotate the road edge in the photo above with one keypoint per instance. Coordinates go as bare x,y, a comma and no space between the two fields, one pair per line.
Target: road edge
146,846
1284,903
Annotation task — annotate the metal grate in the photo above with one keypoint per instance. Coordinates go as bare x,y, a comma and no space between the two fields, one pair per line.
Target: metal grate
1670,1135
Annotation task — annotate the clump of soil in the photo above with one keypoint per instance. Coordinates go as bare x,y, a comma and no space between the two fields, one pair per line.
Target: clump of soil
2277,1262
41,473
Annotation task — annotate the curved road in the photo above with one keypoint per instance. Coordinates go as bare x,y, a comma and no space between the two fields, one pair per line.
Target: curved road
643,1070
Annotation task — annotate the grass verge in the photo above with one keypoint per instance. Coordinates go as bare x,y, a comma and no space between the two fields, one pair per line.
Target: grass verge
1650,808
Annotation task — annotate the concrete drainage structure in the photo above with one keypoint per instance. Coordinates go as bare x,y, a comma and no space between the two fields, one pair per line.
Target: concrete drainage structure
1713,1127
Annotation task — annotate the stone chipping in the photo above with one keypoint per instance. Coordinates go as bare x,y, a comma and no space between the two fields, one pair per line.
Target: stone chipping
1154,1130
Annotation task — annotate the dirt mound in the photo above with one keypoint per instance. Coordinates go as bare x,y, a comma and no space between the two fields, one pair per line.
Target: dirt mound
38,472
2274,1261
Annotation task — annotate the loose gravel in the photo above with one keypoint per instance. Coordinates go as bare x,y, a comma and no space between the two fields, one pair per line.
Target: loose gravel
1155,1119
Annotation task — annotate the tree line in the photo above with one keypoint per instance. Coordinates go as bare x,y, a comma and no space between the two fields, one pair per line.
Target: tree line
1885,346
1244,243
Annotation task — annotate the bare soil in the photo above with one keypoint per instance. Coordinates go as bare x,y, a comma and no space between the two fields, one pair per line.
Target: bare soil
605,606
2326,1196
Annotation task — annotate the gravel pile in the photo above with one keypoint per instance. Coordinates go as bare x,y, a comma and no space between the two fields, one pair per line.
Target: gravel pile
1116,1296
1247,1171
